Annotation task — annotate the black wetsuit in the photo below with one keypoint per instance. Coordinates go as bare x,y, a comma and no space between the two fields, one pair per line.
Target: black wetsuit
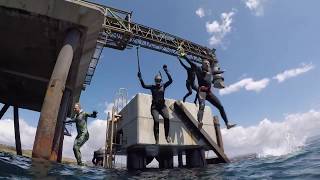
204,81
158,106
190,84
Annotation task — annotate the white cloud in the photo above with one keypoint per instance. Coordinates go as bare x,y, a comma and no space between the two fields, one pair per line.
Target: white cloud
257,6
97,131
281,77
218,30
27,133
248,84
96,128
270,138
200,12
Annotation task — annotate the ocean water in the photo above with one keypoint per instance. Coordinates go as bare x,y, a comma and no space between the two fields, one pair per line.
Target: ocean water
304,163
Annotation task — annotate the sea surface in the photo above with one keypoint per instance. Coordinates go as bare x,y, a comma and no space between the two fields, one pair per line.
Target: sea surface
301,164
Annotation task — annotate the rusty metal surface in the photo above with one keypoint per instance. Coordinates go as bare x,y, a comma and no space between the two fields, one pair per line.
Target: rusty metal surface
43,143
59,132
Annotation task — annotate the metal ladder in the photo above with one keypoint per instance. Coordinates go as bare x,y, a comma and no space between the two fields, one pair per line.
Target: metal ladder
111,142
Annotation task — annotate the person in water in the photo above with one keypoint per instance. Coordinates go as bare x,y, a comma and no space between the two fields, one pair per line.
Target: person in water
205,77
190,84
158,105
80,118
97,159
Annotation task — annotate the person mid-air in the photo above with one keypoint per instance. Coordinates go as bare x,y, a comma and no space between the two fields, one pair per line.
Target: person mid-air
158,105
205,77
190,84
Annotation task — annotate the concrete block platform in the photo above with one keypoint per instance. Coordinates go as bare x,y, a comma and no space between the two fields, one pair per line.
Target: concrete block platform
136,139
137,124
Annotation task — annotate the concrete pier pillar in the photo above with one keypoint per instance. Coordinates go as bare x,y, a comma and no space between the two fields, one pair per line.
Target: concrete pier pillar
136,160
43,143
180,162
218,132
56,154
165,160
195,158
17,130
4,110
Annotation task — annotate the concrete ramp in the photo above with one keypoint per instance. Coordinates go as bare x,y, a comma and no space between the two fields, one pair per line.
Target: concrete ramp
186,116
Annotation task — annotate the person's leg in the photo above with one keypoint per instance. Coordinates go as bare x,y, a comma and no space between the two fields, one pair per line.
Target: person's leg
215,101
196,98
165,114
194,87
155,116
76,147
202,104
188,86
76,150
83,138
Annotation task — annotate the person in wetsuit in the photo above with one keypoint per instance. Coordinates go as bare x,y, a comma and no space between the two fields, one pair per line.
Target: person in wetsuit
97,159
205,77
158,105
80,118
190,84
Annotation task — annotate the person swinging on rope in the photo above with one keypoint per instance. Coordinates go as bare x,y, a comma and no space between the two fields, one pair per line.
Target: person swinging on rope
205,77
190,84
158,105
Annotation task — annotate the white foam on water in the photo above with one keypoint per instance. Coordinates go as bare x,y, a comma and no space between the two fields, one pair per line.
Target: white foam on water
271,138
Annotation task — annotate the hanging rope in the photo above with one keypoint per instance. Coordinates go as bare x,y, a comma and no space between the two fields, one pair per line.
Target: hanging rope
138,59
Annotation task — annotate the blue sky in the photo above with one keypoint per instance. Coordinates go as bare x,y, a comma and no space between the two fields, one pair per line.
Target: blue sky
259,43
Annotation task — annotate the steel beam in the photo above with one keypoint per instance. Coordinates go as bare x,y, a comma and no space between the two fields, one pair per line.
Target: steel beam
43,143
59,132
17,130
4,110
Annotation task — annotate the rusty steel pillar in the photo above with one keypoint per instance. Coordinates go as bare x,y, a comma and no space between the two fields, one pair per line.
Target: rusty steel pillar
195,158
60,150
43,144
17,130
180,161
59,132
136,159
165,159
218,132
4,110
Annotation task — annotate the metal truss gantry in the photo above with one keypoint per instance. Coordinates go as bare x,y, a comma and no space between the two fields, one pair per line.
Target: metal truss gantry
119,32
